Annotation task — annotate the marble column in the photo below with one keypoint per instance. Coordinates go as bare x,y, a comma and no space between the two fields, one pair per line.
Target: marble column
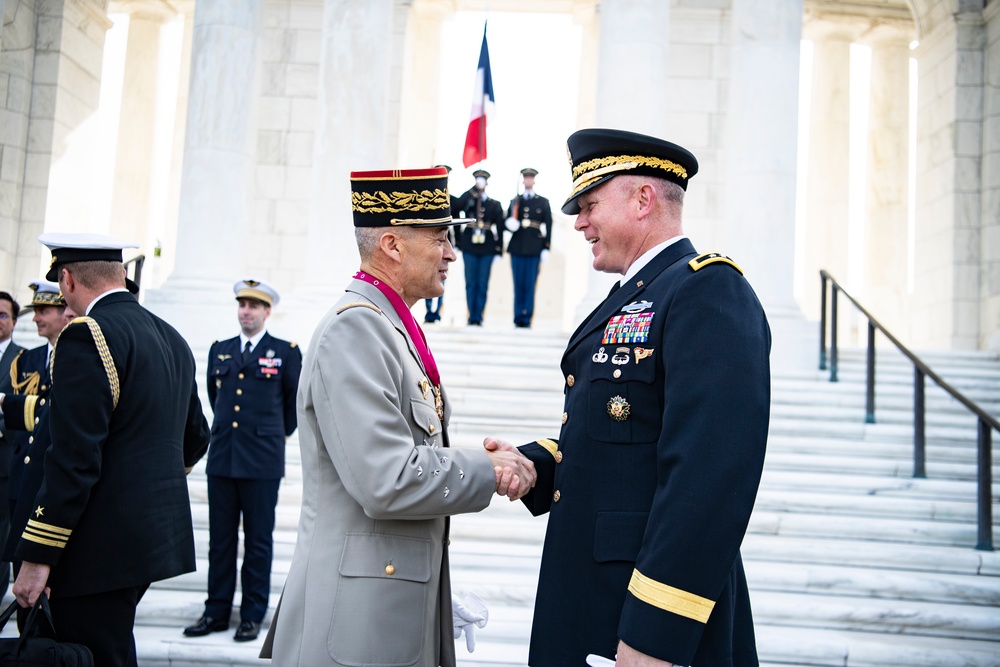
216,182
421,83
761,162
632,64
827,187
131,205
354,132
886,234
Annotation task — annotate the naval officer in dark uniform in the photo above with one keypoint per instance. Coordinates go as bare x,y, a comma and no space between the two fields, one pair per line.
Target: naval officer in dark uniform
651,482
113,513
481,241
29,372
252,380
529,220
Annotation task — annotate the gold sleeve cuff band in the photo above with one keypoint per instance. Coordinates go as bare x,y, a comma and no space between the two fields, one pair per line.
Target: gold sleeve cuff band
669,598
549,445
29,412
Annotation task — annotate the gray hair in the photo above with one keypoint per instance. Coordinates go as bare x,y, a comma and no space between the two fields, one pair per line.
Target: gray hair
96,274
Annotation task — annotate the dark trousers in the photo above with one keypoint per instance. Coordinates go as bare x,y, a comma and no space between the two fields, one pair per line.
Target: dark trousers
477,281
255,499
433,312
102,622
525,270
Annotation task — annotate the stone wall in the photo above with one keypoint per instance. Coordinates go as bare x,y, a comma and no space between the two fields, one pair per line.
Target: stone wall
989,315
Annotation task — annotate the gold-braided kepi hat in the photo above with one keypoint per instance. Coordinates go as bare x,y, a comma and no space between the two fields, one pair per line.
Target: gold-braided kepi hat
598,155
45,294
401,197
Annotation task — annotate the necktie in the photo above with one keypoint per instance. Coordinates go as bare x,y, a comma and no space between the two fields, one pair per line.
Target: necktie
246,351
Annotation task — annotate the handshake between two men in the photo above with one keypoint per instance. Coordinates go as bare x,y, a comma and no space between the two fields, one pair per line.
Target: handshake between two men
515,473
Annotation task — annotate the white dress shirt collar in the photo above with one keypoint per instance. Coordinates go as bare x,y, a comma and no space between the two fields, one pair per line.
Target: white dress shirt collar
646,257
253,341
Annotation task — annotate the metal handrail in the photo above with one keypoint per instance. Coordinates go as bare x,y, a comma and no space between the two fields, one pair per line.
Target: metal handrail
136,264
986,422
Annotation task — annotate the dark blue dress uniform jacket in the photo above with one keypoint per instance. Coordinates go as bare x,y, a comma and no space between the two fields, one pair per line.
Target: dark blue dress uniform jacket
254,405
31,369
27,414
528,240
125,421
650,486
490,212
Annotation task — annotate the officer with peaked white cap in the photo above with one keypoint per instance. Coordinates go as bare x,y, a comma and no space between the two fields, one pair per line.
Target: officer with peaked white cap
113,513
252,380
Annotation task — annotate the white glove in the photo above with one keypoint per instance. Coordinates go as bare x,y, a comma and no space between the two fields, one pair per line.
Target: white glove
598,661
544,256
512,224
466,614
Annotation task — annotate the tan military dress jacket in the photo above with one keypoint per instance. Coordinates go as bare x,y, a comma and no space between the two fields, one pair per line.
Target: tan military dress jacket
369,581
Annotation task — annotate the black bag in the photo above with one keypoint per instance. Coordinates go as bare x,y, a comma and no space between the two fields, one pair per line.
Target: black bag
29,650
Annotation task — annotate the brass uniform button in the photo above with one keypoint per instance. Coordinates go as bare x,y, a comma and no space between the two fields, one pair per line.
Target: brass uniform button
31,439
236,408
390,569
43,387
240,376
27,460
570,380
239,392
36,419
41,402
430,427
556,496
565,417
617,373
559,456
236,424
218,383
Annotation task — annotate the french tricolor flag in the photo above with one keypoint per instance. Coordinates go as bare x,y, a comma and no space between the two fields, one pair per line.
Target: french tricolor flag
482,108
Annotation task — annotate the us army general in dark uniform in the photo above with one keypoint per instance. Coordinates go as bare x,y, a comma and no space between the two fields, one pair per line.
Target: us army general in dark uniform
650,485
252,380
480,240
113,512
529,219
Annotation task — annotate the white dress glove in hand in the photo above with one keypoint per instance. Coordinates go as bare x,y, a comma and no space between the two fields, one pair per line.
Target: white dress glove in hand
512,224
598,661
544,256
466,614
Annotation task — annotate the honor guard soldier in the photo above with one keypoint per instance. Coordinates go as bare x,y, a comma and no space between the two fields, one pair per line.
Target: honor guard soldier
113,513
650,485
252,380
481,241
529,220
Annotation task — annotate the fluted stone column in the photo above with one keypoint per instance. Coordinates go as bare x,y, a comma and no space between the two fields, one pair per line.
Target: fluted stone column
217,176
421,82
886,234
761,163
761,145
826,209
632,68
131,206
355,131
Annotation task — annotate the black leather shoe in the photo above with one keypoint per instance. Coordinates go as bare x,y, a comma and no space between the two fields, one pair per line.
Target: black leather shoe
206,625
247,631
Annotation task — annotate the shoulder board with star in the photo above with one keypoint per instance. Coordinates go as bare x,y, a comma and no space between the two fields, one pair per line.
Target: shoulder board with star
701,261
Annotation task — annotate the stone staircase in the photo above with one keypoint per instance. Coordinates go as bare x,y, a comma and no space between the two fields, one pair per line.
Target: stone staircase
851,561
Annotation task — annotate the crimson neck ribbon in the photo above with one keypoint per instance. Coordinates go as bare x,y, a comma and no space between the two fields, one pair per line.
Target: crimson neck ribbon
412,328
